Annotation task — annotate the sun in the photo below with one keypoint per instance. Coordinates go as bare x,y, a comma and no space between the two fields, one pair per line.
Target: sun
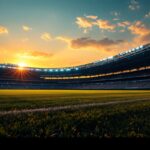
22,64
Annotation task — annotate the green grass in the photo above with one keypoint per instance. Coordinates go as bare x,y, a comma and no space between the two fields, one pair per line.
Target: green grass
119,120
21,99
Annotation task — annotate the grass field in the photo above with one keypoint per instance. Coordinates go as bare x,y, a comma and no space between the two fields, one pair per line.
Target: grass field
117,120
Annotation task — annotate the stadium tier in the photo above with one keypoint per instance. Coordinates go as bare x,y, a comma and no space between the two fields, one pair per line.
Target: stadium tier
127,70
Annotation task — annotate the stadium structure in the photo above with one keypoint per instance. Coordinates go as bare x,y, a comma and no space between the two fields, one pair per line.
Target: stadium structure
127,70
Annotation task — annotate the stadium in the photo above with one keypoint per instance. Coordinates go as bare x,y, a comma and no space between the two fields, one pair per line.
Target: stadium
127,70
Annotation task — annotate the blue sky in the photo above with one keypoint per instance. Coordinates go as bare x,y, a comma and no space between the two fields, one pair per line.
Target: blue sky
70,36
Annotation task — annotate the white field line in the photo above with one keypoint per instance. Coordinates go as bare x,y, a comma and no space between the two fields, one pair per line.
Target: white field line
67,107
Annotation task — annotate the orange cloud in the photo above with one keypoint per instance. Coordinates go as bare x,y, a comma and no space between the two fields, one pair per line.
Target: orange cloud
3,30
145,38
40,54
141,32
124,24
64,39
34,55
142,39
26,28
139,28
89,21
92,17
105,24
46,37
83,22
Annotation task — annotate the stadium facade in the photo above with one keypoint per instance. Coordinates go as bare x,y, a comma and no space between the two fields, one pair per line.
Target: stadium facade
127,70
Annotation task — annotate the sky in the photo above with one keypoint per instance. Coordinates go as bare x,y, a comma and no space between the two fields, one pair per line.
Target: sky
63,33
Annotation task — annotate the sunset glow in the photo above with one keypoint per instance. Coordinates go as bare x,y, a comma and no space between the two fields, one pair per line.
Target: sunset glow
20,68
22,64
63,33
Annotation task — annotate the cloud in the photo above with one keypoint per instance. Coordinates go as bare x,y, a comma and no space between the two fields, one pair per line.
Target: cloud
34,55
105,24
134,5
26,28
83,22
40,54
124,24
122,31
3,30
145,38
116,15
139,28
140,39
46,37
141,32
147,15
64,39
88,42
92,17
116,19
89,21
